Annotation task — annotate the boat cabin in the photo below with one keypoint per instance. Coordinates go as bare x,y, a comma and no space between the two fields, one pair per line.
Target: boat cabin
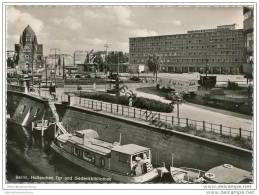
227,173
129,159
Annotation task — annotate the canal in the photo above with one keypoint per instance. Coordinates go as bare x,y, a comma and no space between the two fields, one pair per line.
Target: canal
31,160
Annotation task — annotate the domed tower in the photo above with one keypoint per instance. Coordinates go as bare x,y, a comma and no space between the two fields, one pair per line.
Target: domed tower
29,53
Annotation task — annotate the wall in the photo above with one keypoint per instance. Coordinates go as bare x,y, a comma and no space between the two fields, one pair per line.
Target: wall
188,151
36,106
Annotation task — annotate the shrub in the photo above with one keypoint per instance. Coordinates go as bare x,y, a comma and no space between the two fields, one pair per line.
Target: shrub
139,102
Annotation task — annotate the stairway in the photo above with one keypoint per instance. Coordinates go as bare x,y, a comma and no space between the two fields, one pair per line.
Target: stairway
61,127
153,118
54,111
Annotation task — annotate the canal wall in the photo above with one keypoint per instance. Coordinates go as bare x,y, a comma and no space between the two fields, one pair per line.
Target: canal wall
24,109
188,150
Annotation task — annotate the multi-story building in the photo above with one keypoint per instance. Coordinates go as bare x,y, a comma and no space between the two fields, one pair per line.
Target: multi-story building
28,53
248,24
219,50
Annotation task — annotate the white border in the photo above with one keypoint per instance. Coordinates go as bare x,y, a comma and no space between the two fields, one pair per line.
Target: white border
35,187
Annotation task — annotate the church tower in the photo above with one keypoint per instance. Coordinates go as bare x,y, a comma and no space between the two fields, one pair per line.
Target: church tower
28,53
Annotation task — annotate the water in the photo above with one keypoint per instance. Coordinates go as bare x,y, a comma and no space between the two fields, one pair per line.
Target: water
30,159
29,154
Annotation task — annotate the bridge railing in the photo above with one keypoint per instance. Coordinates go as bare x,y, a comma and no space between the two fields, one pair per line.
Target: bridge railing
163,120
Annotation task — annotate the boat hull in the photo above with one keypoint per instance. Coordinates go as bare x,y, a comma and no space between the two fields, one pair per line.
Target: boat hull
104,172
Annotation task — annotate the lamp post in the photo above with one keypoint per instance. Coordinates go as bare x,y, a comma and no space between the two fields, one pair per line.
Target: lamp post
46,69
106,63
55,52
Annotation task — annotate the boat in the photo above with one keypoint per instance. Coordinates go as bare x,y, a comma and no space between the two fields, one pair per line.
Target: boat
40,125
228,173
185,175
129,163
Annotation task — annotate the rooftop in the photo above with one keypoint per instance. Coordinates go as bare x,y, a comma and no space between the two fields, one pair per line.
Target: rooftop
224,174
130,149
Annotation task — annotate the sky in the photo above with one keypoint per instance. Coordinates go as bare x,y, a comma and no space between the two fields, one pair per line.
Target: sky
71,28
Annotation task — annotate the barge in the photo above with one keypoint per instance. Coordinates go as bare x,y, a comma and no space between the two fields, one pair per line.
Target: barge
129,163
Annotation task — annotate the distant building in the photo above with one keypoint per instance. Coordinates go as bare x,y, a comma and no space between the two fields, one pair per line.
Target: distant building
28,52
219,50
10,59
248,24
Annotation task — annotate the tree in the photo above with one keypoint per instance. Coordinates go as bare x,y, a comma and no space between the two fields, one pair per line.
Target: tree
153,63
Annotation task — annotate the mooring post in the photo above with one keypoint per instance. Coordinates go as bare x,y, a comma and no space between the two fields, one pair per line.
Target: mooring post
172,120
220,129
187,125
134,111
240,132
204,127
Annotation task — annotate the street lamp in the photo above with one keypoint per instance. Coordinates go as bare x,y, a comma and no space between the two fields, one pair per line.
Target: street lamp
106,62
55,50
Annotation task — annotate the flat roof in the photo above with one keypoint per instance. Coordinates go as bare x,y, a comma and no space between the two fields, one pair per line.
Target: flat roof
130,149
89,145
224,174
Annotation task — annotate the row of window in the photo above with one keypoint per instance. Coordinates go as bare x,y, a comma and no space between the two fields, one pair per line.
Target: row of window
191,60
192,35
87,156
191,53
174,47
199,41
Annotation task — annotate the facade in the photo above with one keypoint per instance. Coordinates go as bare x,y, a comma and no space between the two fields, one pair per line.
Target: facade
248,24
219,51
28,53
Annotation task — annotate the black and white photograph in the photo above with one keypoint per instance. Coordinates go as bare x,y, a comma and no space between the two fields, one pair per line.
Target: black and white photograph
159,94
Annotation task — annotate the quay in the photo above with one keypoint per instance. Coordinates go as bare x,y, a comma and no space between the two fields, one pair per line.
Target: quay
79,114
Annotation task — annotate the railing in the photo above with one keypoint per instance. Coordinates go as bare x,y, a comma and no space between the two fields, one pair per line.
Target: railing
16,88
162,120
158,119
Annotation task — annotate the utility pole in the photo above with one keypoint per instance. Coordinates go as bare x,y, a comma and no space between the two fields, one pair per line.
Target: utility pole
55,52
106,62
118,69
32,56
63,65
46,71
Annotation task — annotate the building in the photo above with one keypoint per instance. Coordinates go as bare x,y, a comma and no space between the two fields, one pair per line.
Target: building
219,51
248,24
28,53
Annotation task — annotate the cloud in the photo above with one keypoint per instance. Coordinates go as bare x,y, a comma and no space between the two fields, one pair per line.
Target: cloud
143,33
123,15
68,22
18,20
177,22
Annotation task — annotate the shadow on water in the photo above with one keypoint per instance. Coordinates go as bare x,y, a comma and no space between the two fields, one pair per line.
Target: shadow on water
29,154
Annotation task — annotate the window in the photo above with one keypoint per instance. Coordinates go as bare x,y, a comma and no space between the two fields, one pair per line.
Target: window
102,162
89,157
